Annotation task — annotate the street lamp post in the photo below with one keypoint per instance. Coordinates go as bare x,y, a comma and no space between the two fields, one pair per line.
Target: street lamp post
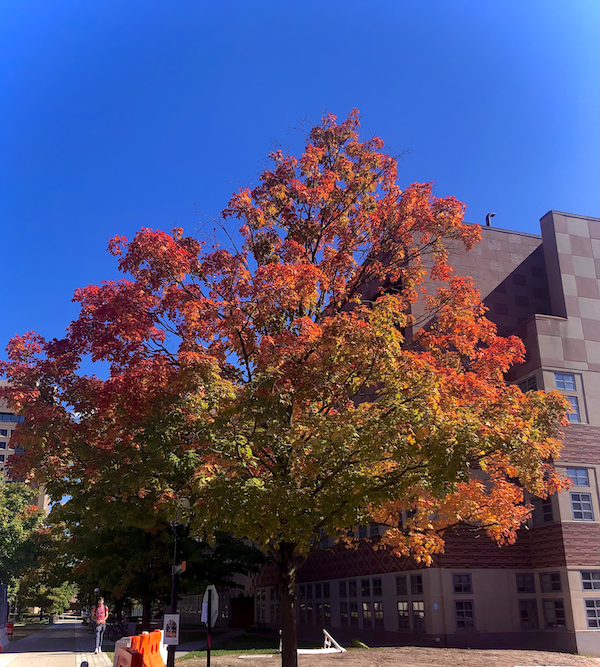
178,525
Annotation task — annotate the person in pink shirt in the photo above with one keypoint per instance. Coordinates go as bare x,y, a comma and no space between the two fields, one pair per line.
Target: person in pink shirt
99,616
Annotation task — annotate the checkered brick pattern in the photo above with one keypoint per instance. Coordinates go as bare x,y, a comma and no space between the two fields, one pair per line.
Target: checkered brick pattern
572,250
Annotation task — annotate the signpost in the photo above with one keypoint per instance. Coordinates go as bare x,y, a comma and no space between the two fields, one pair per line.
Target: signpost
210,615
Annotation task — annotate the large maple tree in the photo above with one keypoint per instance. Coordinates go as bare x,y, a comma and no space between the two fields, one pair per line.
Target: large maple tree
284,385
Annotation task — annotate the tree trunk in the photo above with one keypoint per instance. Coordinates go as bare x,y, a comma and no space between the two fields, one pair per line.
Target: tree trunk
119,609
146,613
287,565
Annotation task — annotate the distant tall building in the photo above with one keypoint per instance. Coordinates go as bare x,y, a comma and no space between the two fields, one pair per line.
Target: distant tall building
543,591
8,422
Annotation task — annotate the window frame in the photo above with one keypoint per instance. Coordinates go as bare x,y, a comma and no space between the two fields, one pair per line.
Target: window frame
554,601
403,613
401,587
596,607
367,614
418,616
575,479
416,584
531,624
378,619
590,511
594,581
344,614
574,415
463,610
525,579
547,576
560,383
462,581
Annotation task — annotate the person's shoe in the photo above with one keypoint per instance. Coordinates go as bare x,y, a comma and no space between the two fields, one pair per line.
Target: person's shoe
96,651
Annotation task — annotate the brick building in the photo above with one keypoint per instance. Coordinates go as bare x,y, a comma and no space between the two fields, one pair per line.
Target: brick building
8,423
543,591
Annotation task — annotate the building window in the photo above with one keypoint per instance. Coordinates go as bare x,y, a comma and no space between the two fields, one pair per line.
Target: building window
9,417
519,279
309,613
522,301
590,581
465,614
462,583
377,588
327,613
416,584
525,582
579,476
302,593
530,384
542,511
326,593
2,444
3,432
362,532
373,530
528,614
418,615
401,588
302,613
403,622
261,605
378,614
582,506
354,614
275,612
318,591
343,613
365,588
318,613
309,591
565,381
573,416
2,457
367,611
592,611
352,589
501,308
550,582
343,592
554,613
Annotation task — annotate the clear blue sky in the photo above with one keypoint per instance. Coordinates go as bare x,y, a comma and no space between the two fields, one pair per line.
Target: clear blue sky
117,114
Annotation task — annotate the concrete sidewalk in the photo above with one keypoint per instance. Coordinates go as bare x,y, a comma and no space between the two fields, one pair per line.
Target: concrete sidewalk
66,644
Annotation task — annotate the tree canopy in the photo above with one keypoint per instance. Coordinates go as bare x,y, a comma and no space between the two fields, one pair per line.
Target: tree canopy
20,522
283,383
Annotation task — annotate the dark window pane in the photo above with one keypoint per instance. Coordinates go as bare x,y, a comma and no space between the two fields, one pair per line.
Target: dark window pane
416,584
528,614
